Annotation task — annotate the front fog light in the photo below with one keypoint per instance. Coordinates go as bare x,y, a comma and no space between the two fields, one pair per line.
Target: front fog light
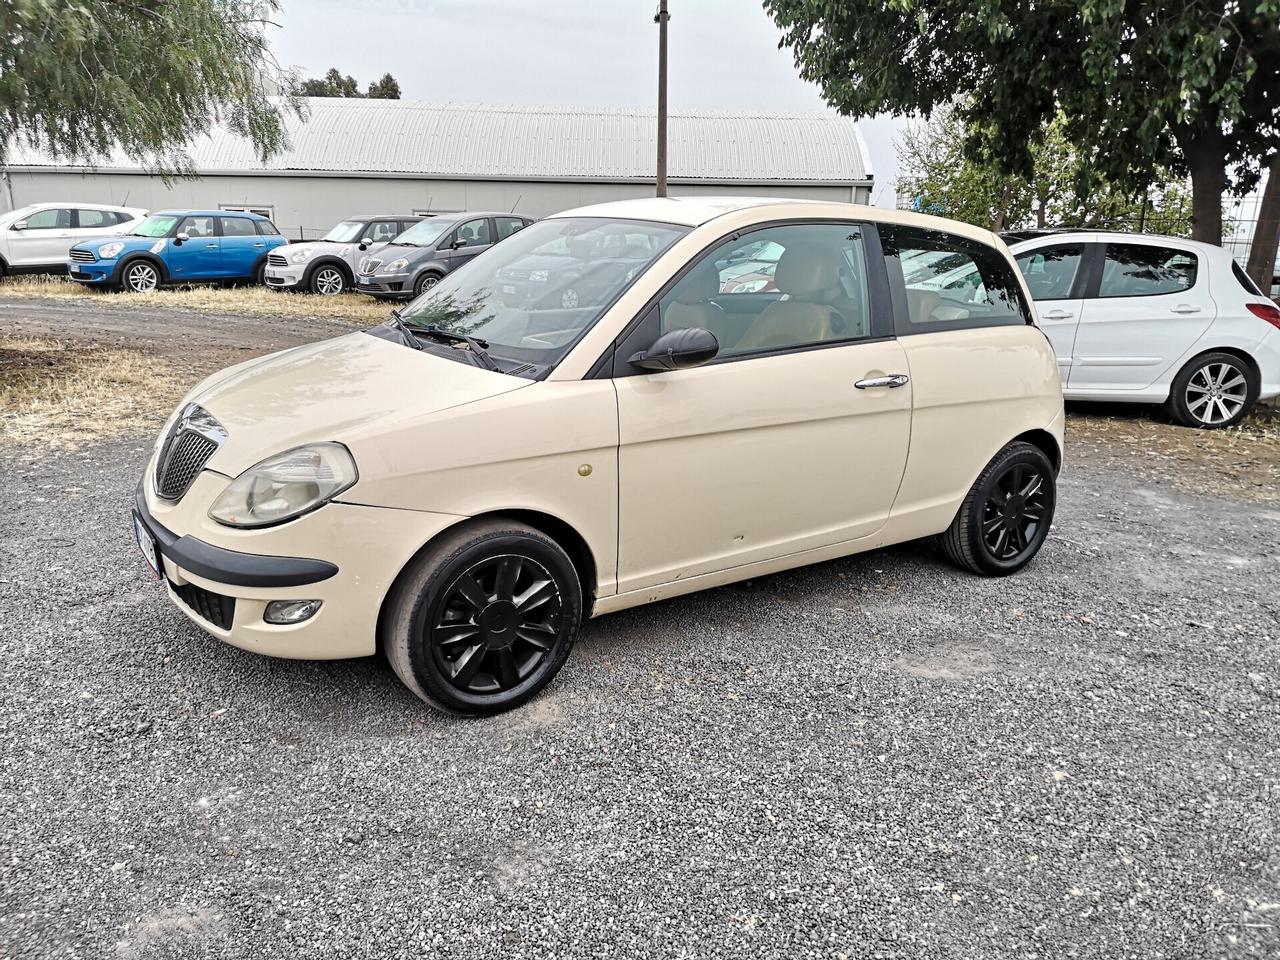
290,611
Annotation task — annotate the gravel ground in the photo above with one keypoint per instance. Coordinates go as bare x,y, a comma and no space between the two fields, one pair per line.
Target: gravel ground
875,757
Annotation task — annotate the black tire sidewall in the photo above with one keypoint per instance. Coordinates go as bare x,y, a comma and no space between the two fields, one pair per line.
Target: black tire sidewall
424,608
1008,458
1178,408
420,286
311,280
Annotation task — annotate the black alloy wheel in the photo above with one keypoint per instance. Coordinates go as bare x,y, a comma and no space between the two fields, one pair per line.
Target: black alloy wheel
485,618
1006,515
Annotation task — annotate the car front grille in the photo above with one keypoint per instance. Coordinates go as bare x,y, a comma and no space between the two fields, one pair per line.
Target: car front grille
369,264
277,260
83,256
193,439
210,606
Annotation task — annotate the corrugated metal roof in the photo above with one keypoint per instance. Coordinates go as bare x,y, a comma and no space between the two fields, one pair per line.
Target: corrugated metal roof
486,141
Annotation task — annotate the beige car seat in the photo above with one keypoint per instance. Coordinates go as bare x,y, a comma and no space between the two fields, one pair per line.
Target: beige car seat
809,274
693,306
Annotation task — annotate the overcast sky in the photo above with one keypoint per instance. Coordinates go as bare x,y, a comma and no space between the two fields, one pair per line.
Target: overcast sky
723,55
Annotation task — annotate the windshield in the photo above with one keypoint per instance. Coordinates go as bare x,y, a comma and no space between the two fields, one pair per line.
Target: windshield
424,234
344,232
531,296
157,226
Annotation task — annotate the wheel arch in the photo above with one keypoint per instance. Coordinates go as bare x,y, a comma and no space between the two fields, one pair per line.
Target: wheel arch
559,530
1046,443
1238,352
330,261
428,269
150,257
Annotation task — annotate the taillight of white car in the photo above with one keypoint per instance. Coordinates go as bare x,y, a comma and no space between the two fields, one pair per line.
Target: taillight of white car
1266,311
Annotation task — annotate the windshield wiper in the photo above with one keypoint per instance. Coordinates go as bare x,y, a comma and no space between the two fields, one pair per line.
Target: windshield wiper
397,321
475,346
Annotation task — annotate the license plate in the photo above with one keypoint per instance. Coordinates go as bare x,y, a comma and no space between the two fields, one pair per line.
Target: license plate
508,288
274,274
147,544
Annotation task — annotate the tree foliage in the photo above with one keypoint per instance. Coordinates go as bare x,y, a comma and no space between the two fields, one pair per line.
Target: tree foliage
1141,86
79,78
335,84
1063,188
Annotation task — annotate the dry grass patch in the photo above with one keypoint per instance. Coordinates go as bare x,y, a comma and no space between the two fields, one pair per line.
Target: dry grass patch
261,301
64,395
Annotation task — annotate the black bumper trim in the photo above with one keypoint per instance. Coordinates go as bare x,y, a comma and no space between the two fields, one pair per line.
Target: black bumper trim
230,566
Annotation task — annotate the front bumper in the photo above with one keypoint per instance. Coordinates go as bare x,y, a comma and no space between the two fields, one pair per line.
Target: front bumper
98,272
223,578
386,286
285,278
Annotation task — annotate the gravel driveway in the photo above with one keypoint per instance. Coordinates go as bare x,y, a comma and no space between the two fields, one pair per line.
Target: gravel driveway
875,757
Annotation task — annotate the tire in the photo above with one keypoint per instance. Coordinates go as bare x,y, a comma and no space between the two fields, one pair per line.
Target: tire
260,274
480,656
1006,514
1213,391
328,280
139,276
425,282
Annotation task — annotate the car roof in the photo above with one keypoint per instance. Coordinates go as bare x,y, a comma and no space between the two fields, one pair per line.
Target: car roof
1117,236
75,203
207,213
386,216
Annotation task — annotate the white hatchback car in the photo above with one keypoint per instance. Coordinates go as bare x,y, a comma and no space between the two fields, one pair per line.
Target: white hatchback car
36,238
1151,319
463,485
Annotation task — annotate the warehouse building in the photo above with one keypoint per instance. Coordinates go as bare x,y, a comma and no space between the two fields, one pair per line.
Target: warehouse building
367,156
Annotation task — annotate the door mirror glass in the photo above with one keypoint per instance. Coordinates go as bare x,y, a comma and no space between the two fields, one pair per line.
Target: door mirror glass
20,225
182,237
678,350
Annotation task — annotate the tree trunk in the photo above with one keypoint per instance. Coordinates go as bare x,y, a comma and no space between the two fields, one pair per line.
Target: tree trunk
1207,161
1266,233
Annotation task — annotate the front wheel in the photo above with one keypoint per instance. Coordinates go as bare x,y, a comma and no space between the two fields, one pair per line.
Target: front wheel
141,276
1006,515
424,282
485,619
1214,390
328,281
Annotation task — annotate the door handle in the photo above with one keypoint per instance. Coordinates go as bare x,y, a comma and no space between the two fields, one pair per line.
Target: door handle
259,244
892,380
1184,308
1058,315
211,246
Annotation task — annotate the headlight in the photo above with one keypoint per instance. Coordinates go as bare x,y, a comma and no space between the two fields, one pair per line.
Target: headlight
300,256
395,265
538,276
285,486
109,251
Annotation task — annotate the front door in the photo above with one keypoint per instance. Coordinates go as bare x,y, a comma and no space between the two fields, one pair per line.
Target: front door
471,238
198,257
242,247
1055,278
1149,304
772,448
46,239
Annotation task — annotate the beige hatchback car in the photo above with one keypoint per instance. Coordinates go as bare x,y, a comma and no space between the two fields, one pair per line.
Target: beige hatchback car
749,385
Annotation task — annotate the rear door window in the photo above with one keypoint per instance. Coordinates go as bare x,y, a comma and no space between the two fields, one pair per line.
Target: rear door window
238,227
508,225
1050,272
1145,270
948,282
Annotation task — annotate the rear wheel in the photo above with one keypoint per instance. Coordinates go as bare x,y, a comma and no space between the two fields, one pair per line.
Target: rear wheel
328,281
1214,390
140,276
1006,515
484,620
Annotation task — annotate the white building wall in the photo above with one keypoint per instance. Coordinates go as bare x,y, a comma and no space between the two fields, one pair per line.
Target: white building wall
306,206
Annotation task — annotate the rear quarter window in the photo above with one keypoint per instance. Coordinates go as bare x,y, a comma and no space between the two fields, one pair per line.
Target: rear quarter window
946,282
1143,270
1244,279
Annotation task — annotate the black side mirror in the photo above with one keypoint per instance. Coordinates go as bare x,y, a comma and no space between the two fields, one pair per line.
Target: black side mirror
678,350
458,242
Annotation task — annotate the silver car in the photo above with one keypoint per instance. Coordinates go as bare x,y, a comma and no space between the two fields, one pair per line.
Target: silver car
328,266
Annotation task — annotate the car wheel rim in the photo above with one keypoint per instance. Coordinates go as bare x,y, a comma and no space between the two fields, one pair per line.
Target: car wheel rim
142,278
1216,393
1014,512
329,282
427,283
497,623
569,299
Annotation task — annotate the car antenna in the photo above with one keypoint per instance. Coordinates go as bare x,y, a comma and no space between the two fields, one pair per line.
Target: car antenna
517,203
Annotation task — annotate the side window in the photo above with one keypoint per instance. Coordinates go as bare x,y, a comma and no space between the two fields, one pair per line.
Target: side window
197,227
238,227
51,219
776,289
266,228
380,231
1139,270
950,282
474,233
508,225
96,218
1244,280
1050,272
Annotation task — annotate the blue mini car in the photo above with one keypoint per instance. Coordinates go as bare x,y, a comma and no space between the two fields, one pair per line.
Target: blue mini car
177,246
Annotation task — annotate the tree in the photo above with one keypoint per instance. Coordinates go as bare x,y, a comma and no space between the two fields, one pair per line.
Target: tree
77,79
1063,188
1141,86
335,84
1266,233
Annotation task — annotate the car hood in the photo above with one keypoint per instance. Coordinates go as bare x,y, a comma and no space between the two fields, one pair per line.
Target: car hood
394,251
332,390
327,248
130,243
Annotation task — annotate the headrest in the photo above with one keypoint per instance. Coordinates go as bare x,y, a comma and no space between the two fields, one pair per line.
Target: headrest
807,269
701,283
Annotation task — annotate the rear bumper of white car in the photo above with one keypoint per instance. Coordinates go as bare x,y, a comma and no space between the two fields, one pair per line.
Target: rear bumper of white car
1267,354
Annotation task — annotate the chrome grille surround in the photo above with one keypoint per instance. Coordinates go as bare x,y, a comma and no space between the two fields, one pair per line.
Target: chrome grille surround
83,256
277,260
195,437
369,264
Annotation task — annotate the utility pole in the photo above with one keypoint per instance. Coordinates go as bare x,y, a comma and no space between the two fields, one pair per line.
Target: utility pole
661,19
